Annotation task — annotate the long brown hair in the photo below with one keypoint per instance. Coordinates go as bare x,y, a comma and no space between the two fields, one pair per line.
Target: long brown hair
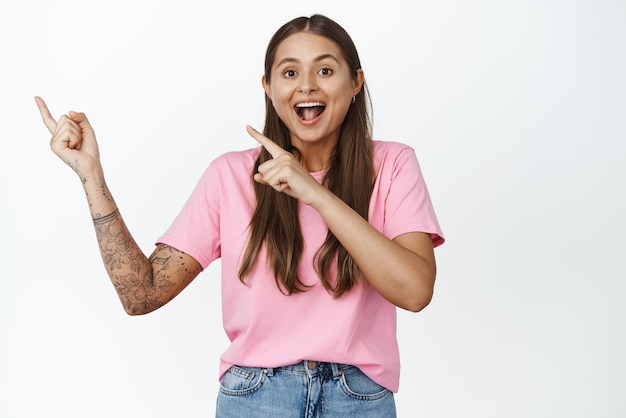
350,177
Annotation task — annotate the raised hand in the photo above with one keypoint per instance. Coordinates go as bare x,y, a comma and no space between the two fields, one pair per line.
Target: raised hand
284,172
73,140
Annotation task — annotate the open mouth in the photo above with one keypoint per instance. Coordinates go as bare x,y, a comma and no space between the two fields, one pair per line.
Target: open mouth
310,110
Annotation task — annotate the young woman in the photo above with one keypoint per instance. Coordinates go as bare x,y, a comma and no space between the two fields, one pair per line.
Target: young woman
322,233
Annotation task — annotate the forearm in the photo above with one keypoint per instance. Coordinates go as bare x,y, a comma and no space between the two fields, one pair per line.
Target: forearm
128,267
399,274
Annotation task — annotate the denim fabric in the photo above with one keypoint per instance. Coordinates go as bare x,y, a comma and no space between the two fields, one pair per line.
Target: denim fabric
308,389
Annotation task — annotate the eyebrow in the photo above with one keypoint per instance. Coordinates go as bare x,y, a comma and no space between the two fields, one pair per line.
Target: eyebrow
317,59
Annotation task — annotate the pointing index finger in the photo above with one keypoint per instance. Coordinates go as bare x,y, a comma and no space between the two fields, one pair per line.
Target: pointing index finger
273,148
48,120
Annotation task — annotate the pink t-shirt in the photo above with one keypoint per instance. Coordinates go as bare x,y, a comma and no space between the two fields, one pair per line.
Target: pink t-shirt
267,328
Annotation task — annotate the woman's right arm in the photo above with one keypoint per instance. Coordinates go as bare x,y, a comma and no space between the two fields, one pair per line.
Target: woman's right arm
143,284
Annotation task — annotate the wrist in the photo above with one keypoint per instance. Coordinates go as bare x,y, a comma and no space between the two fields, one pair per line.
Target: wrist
93,175
323,200
99,198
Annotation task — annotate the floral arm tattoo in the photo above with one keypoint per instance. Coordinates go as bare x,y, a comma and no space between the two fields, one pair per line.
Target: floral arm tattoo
143,284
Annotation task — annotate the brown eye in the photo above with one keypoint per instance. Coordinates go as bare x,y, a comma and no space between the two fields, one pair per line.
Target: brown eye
289,73
326,71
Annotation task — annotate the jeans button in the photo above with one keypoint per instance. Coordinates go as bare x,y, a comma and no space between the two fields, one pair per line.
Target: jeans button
312,364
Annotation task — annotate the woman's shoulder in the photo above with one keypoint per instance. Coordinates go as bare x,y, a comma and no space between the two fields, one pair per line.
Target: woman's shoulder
235,161
384,150
238,157
231,165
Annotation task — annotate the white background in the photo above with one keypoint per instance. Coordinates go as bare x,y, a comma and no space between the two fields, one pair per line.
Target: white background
516,110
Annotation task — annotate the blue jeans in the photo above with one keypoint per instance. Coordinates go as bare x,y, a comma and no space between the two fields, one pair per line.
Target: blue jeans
309,389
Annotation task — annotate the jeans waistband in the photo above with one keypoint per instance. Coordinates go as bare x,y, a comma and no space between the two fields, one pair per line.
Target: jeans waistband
312,368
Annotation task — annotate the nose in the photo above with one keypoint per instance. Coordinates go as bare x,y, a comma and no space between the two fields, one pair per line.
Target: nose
307,84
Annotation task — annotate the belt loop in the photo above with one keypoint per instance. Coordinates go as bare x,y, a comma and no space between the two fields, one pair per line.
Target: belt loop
336,372
307,368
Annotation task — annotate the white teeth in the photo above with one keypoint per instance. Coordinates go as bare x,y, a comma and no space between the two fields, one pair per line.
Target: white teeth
310,104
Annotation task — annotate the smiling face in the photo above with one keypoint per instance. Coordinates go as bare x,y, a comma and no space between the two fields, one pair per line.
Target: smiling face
311,88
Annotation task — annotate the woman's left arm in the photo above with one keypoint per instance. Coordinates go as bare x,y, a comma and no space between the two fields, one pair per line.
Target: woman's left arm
402,270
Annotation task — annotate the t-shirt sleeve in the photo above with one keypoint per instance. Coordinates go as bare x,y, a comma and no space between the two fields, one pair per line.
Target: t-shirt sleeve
408,207
196,229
